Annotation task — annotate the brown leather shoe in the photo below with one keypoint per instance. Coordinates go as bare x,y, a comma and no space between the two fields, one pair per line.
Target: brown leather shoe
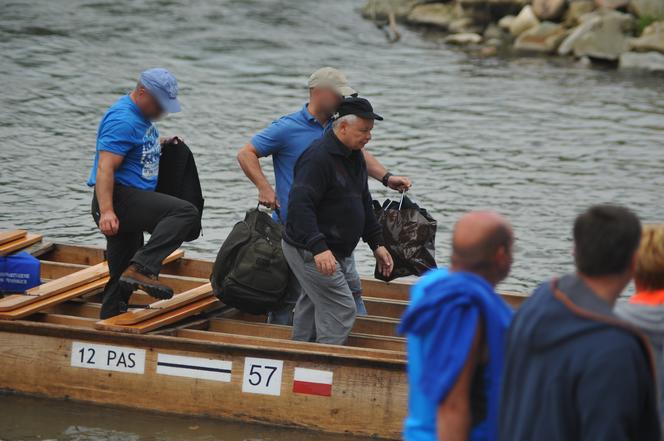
136,279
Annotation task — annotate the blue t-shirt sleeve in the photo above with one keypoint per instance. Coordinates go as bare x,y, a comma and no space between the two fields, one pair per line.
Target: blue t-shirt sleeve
116,137
271,139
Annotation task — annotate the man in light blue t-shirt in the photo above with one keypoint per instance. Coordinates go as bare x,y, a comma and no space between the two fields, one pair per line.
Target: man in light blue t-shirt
124,204
285,140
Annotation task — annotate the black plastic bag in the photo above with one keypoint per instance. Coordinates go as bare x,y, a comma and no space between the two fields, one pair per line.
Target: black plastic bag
410,236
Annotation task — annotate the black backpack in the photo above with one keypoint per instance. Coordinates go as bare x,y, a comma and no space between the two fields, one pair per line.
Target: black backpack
251,272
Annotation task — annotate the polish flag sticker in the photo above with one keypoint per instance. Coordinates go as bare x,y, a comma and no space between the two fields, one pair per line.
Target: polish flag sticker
312,382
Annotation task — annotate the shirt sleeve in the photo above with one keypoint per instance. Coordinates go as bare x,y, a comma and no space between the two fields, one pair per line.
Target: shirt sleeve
271,139
620,372
308,188
116,137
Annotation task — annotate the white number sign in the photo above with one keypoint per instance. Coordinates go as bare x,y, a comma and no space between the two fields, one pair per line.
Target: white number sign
107,358
262,376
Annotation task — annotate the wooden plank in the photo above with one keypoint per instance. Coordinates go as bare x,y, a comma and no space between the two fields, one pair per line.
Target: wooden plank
43,303
66,320
11,235
70,282
162,306
19,244
167,318
384,307
230,326
55,270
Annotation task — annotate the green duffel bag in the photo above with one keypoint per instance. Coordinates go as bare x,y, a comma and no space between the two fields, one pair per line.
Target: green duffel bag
251,272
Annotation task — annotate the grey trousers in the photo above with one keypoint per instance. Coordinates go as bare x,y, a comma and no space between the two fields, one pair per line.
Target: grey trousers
325,311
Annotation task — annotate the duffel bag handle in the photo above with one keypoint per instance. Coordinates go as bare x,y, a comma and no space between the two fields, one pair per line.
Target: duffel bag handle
276,210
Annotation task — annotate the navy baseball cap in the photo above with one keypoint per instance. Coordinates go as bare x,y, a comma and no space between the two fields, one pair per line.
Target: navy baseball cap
357,106
163,86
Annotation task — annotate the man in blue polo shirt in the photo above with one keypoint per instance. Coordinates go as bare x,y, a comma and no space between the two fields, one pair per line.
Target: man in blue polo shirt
285,140
124,204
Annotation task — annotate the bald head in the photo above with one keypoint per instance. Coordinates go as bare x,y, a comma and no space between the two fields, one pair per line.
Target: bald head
482,244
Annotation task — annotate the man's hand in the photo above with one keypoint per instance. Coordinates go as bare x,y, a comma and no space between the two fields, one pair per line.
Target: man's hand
109,223
326,263
384,261
268,198
399,183
174,139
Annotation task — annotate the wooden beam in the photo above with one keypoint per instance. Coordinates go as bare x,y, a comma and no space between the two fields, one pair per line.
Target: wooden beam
230,326
157,308
44,303
11,235
384,307
159,321
19,244
67,320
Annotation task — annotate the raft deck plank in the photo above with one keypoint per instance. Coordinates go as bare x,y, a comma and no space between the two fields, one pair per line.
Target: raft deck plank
40,304
156,322
11,235
161,307
67,283
230,326
19,244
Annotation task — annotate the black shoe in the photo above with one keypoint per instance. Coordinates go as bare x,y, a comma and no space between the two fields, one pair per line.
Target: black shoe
134,278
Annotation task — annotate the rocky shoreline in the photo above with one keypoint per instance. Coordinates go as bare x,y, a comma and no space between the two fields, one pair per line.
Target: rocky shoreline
627,34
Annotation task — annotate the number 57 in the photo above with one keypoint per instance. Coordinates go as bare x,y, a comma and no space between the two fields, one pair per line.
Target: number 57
255,377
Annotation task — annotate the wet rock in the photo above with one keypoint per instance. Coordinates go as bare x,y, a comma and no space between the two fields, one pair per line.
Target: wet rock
524,21
648,61
464,39
601,35
543,38
549,9
586,26
493,32
652,39
575,10
484,12
464,25
489,51
433,14
612,4
506,22
648,8
380,9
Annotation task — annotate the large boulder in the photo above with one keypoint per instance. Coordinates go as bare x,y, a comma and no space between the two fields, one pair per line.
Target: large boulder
648,61
549,9
652,39
576,10
648,8
433,14
524,21
380,9
601,35
543,38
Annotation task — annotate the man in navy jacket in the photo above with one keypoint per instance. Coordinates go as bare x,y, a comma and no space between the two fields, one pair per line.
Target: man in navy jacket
329,211
574,371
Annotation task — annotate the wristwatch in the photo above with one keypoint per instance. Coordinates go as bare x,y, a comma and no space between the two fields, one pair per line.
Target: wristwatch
386,178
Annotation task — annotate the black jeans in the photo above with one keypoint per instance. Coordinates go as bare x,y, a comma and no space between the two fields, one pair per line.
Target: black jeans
169,221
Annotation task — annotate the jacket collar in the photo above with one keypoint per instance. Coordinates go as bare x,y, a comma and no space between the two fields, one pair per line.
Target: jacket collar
335,146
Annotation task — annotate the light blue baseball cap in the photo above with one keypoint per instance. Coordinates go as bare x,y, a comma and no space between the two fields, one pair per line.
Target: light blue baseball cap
163,86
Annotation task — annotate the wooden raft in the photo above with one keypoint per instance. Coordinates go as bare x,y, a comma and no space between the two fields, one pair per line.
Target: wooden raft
163,312
16,240
60,290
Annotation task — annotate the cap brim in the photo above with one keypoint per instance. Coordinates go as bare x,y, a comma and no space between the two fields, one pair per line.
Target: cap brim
170,105
345,91
370,115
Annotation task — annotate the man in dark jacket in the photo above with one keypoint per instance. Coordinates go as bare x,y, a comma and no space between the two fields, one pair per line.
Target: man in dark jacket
330,209
573,370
